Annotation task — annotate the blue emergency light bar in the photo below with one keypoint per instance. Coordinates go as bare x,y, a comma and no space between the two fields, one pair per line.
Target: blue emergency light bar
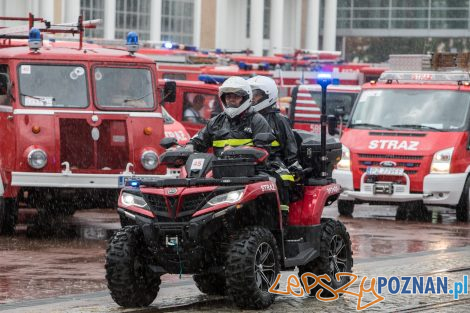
424,77
212,79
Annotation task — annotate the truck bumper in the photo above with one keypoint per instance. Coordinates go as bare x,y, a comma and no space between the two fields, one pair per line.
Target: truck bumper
438,189
71,180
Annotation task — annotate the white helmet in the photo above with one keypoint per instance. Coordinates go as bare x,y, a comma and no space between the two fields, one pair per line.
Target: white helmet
239,86
268,87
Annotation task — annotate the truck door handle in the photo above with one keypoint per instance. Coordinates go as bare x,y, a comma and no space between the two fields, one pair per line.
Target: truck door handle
10,117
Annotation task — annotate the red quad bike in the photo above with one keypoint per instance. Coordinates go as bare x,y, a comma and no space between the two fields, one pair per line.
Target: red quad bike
221,221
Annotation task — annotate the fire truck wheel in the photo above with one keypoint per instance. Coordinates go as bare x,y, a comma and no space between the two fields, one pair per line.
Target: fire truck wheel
335,257
8,216
130,280
345,208
211,284
251,268
413,211
463,207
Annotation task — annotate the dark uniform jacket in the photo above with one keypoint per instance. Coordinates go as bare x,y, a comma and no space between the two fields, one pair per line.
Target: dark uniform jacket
223,131
287,148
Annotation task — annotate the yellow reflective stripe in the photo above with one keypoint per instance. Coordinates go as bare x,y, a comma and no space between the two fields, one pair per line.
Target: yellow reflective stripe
275,143
287,177
232,142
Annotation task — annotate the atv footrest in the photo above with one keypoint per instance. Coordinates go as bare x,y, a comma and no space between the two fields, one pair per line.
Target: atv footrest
302,258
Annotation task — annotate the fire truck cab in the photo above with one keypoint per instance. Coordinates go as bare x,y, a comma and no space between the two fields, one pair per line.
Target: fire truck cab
195,104
73,122
407,141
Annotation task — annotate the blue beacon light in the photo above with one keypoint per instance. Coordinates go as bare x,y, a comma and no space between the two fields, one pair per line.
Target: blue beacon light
34,40
132,42
134,183
167,45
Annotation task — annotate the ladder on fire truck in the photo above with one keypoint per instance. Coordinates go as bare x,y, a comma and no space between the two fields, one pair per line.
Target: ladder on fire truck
21,32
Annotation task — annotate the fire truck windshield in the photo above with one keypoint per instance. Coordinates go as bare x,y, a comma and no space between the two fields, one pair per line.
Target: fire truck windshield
124,88
426,110
53,85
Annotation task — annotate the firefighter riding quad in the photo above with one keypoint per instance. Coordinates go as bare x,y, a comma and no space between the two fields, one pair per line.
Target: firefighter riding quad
221,221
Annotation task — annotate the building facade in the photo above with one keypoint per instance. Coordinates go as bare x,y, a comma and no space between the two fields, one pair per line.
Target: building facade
267,26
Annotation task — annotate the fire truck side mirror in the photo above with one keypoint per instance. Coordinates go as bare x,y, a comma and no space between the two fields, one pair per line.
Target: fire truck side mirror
169,92
332,125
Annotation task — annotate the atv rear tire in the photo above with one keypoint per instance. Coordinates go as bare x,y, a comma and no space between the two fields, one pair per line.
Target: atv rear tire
211,284
251,268
345,208
131,282
335,257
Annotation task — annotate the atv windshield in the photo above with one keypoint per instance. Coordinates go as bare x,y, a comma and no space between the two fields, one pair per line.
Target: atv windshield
53,85
411,109
337,103
124,88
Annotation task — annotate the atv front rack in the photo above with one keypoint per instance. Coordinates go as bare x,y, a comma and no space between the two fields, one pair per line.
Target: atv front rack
193,182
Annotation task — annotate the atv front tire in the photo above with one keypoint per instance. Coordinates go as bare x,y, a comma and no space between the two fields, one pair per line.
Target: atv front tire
251,268
211,284
335,257
131,282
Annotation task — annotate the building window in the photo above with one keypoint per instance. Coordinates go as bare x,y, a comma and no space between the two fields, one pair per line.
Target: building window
133,15
177,21
93,9
266,19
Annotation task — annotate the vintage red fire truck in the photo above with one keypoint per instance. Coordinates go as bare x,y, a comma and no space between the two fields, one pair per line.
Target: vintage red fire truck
73,122
407,142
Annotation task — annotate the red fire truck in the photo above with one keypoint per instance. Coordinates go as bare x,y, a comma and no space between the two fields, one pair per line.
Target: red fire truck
73,122
407,142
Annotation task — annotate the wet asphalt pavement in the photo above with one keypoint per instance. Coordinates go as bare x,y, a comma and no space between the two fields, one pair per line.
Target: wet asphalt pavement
37,266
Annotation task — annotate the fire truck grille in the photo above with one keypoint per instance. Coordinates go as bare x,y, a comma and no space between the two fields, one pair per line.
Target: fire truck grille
109,150
391,156
411,163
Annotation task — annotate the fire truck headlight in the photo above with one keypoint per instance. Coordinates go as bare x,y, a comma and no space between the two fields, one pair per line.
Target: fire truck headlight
37,158
149,160
345,163
441,161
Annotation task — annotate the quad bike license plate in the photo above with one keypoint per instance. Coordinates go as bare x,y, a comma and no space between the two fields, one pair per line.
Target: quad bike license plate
389,171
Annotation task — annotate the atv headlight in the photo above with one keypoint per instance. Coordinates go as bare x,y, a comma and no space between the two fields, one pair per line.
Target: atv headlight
129,199
230,197
149,160
345,163
37,158
441,161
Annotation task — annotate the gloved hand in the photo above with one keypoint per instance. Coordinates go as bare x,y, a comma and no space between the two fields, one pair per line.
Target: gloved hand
296,169
188,147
